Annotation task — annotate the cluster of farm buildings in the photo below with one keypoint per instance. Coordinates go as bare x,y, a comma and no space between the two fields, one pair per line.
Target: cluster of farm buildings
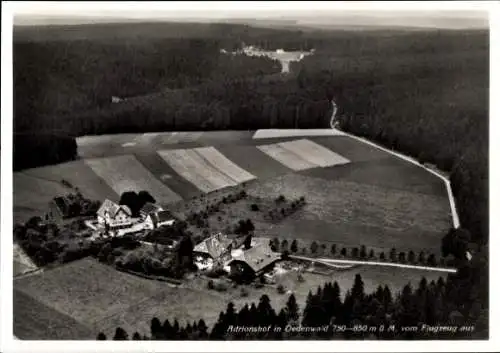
240,255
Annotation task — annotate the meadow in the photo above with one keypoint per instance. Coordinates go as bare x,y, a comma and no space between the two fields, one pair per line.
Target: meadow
84,298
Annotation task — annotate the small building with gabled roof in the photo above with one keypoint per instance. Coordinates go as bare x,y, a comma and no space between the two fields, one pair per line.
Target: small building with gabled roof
158,219
148,208
254,261
114,215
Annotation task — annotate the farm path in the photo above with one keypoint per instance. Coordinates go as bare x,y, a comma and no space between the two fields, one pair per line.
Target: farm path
332,262
454,213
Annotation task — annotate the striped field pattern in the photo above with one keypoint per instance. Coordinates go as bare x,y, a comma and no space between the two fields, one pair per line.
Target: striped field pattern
126,173
219,161
302,154
206,168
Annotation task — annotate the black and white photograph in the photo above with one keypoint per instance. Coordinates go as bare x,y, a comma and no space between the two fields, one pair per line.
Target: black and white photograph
246,171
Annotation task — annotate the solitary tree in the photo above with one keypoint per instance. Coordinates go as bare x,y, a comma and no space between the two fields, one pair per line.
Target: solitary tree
372,254
120,335
294,246
431,260
314,247
292,309
382,256
343,252
402,257
101,336
362,253
393,254
355,252
411,257
421,258
333,249
284,245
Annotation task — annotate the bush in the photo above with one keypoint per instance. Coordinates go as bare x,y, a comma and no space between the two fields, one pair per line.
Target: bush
343,252
244,292
281,289
254,207
210,284
382,256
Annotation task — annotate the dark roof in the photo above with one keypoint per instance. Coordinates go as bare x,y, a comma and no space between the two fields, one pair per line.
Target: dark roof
150,207
214,246
162,216
258,257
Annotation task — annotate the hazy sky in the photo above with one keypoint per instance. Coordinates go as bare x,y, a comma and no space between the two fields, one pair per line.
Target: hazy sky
421,14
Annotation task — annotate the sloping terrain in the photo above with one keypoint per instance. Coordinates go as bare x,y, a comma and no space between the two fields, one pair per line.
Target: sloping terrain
356,194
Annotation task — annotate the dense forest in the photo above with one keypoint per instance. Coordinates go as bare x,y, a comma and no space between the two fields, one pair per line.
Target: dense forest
422,93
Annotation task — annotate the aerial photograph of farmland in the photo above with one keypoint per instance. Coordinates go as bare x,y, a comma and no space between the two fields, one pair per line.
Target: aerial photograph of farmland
295,176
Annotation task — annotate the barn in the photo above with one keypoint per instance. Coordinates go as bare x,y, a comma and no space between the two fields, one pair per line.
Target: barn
253,262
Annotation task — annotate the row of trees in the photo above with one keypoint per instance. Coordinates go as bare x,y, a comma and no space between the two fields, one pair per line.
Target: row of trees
362,252
431,304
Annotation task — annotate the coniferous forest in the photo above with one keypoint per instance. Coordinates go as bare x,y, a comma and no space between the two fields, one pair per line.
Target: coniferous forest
422,93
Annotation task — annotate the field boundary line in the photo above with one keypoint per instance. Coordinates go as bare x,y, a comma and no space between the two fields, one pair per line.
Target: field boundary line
375,263
451,198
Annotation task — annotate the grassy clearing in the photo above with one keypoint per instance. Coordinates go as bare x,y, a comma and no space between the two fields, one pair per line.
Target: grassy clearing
351,149
36,321
356,214
126,173
388,173
32,195
186,305
79,175
86,290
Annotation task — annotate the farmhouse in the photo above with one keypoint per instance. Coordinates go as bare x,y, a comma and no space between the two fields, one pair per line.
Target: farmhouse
149,208
253,262
158,219
216,249
114,216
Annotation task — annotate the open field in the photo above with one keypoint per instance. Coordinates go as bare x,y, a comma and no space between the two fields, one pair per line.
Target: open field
125,173
86,297
302,154
206,168
353,213
36,321
376,199
220,162
387,172
87,290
